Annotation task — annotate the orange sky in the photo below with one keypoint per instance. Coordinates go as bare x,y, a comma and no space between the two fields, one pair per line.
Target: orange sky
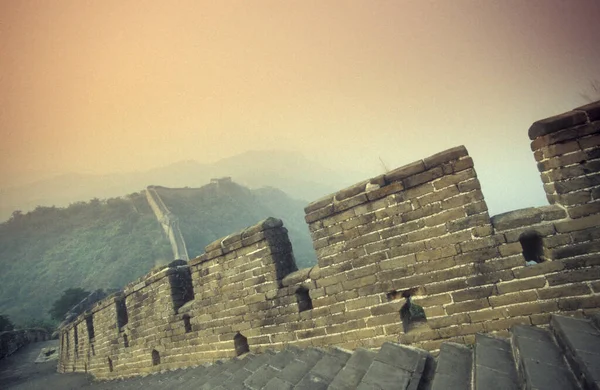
112,86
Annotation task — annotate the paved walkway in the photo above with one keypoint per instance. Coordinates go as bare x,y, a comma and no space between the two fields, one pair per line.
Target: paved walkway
19,372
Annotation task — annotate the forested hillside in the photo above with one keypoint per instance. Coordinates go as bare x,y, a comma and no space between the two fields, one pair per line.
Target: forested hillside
108,243
96,244
214,211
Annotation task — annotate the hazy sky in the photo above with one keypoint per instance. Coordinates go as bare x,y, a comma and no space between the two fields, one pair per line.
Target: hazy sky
112,86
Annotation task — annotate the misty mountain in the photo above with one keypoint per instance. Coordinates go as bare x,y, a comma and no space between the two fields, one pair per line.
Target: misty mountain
109,243
291,172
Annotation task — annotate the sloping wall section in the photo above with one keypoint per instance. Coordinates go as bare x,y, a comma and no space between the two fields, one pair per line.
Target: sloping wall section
411,256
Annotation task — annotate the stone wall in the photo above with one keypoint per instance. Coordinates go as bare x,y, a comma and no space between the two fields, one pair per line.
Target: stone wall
11,341
411,256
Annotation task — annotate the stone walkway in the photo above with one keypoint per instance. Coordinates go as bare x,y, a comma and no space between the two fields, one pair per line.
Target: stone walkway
564,356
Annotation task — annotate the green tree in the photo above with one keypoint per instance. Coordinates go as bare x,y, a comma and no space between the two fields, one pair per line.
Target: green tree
69,298
5,323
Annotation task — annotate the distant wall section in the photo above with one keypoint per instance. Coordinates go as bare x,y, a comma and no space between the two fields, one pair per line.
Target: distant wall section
169,223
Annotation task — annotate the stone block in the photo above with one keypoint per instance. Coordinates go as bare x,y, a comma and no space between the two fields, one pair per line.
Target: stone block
445,216
350,202
351,191
319,204
573,276
321,213
423,177
477,207
405,171
442,322
556,123
473,293
444,287
576,184
462,164
455,178
521,285
477,220
386,190
467,306
544,268
486,315
592,110
445,156
437,196
564,291
576,303
585,210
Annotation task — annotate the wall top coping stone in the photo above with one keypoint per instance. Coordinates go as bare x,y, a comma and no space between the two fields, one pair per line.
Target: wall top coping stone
393,176
296,277
527,216
223,245
584,114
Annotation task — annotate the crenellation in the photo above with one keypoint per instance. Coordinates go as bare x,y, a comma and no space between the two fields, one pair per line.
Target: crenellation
418,240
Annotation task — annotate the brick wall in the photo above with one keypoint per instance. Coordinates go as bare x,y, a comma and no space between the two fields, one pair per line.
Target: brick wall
416,242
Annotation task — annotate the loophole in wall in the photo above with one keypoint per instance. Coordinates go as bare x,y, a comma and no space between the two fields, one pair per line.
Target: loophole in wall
241,344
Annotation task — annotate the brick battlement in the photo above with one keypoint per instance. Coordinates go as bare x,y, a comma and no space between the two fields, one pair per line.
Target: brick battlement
411,256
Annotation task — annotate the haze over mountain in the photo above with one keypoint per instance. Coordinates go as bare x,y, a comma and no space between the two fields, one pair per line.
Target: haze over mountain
290,172
109,243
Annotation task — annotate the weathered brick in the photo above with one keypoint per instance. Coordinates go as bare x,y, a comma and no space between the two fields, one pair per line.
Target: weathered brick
360,282
477,256
351,191
477,207
556,123
423,177
486,315
350,202
468,222
398,262
467,306
576,184
584,210
542,230
405,171
482,231
473,293
530,308
462,164
479,244
443,287
437,253
449,239
505,324
396,209
425,211
521,285
573,276
510,249
437,196
576,250
386,190
445,216
319,214
434,265
432,300
445,156
426,233
455,178
576,303
544,268
460,330
564,291
319,204
441,322
363,302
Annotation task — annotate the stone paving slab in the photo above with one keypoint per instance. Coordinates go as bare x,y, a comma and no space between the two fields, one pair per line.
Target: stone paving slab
454,366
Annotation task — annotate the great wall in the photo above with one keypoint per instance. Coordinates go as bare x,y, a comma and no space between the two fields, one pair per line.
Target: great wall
419,236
